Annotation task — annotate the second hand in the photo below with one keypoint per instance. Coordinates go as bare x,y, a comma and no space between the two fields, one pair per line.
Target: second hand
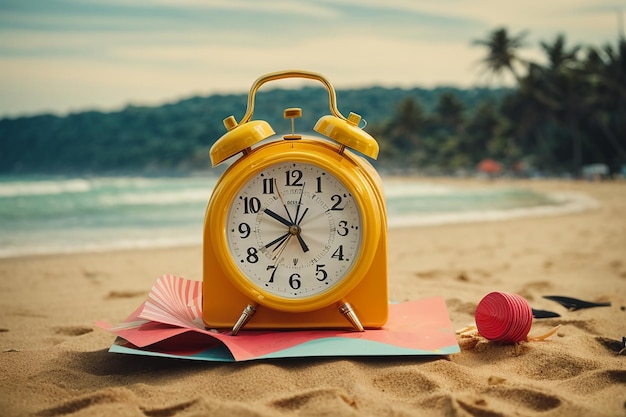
280,197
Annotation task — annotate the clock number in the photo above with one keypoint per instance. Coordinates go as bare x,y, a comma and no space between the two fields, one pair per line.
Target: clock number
336,198
319,185
244,229
342,230
318,271
294,281
268,185
251,205
252,256
273,272
293,178
338,253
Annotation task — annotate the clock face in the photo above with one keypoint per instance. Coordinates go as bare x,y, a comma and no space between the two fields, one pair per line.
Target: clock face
294,230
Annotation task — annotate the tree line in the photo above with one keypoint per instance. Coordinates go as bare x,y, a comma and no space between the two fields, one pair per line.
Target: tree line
560,116
177,137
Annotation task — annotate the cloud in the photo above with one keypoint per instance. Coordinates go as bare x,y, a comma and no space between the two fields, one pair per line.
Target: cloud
304,8
158,74
106,53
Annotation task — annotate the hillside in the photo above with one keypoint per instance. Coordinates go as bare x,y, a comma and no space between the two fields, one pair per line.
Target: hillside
176,137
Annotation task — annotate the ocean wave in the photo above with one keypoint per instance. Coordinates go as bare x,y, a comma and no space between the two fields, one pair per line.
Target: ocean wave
100,214
394,189
565,203
31,188
97,247
157,198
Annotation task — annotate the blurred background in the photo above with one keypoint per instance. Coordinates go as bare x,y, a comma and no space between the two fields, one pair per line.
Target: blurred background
538,85
73,55
114,105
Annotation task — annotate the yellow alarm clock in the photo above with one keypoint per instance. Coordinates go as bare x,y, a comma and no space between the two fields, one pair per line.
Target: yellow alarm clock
295,232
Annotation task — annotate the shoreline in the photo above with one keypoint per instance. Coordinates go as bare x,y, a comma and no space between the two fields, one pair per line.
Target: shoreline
566,202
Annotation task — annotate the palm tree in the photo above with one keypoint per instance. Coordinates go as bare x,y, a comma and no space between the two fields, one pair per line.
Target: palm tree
449,111
566,86
502,52
403,131
559,58
606,74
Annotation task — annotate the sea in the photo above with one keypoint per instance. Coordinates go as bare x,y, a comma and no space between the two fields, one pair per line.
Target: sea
53,215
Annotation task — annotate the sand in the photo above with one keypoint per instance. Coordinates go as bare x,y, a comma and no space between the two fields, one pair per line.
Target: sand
54,361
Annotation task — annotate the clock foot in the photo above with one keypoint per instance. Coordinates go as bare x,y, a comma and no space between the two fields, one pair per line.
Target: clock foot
348,312
245,317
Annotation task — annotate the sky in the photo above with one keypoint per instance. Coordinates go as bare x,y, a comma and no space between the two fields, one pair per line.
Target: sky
63,56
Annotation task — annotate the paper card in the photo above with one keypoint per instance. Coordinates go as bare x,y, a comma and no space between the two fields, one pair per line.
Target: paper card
167,324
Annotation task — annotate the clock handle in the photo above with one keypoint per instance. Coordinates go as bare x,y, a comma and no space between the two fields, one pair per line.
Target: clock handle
243,134
278,75
344,130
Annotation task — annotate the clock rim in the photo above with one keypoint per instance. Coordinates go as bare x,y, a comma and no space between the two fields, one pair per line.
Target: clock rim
306,151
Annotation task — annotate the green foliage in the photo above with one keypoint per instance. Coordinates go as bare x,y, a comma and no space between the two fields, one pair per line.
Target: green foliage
177,137
564,115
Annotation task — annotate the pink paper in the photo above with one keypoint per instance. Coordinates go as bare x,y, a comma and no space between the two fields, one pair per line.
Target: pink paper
173,309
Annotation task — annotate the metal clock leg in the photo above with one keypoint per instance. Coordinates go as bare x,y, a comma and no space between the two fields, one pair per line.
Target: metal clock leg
245,317
348,312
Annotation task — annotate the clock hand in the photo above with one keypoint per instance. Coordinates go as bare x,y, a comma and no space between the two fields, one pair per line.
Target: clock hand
299,205
303,245
278,240
278,217
282,201
292,230
286,236
280,248
300,221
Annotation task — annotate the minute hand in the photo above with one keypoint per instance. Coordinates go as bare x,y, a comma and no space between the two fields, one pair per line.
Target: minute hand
303,245
278,217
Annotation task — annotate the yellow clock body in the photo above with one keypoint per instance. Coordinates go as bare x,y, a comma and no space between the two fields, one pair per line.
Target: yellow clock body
295,232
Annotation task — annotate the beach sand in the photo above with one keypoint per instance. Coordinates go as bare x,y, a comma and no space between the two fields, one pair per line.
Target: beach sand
54,361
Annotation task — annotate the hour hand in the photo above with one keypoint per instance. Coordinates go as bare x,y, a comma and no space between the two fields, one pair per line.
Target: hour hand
278,217
303,245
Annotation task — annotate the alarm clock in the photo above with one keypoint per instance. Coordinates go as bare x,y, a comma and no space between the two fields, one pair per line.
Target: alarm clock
295,231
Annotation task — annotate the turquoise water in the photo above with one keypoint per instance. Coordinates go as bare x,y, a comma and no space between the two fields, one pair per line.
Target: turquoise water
57,215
